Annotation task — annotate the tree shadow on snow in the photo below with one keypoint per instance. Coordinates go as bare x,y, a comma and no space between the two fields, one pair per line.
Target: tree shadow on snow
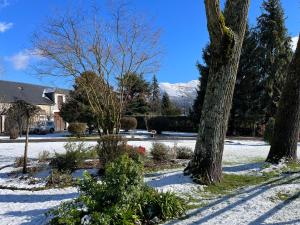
246,144
35,216
271,212
242,167
253,192
35,198
176,178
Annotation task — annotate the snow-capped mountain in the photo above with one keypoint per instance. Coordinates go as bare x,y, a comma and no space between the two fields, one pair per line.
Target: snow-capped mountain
294,43
183,94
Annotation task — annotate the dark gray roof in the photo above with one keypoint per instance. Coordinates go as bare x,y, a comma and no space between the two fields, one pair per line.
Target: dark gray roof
12,91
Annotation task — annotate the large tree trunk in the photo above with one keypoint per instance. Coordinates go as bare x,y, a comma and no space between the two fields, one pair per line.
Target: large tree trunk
226,37
286,130
26,147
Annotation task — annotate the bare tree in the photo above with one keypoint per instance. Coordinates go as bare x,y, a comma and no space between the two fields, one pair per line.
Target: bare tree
226,38
287,123
111,45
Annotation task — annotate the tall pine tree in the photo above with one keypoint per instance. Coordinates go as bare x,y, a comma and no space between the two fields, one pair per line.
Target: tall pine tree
203,70
275,54
136,94
168,108
245,112
155,96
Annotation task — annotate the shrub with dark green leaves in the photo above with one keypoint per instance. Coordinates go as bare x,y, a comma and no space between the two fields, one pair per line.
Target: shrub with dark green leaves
269,130
128,123
120,198
161,152
77,129
183,152
73,157
164,206
111,147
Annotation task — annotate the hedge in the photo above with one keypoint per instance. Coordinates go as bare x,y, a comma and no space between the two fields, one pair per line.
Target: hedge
171,123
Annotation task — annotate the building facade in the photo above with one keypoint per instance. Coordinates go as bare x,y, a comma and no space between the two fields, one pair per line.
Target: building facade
48,99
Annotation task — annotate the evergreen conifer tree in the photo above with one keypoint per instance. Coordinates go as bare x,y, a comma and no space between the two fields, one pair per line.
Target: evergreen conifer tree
245,112
275,54
167,106
155,96
203,70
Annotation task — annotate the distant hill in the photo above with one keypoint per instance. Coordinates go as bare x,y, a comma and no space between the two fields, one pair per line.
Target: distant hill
183,94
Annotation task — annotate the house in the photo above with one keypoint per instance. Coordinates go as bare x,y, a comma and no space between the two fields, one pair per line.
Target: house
49,99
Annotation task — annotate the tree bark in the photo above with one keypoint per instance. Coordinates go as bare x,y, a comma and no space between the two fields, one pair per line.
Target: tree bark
287,123
26,146
226,38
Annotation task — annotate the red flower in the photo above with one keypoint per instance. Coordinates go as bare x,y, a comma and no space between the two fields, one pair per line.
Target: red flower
141,150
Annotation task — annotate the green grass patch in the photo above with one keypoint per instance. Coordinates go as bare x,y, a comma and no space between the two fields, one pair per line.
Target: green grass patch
231,182
281,196
293,167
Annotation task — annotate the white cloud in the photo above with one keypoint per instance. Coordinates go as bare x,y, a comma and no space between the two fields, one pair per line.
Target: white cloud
22,59
294,43
5,26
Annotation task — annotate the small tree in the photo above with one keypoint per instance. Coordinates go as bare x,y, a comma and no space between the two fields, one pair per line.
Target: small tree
23,111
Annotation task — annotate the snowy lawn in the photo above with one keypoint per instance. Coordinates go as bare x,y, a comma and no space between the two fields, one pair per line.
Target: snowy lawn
274,203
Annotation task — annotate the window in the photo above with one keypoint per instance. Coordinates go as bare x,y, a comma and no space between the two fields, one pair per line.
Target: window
60,101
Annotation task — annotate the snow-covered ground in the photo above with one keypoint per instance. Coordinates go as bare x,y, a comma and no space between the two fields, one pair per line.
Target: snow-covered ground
234,152
254,205
37,136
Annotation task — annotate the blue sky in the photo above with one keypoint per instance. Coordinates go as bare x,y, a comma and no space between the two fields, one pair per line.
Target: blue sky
183,25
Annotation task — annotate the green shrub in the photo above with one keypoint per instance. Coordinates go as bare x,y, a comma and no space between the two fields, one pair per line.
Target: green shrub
128,123
44,156
161,152
111,147
72,158
13,133
120,198
183,152
269,130
161,205
77,129
59,179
